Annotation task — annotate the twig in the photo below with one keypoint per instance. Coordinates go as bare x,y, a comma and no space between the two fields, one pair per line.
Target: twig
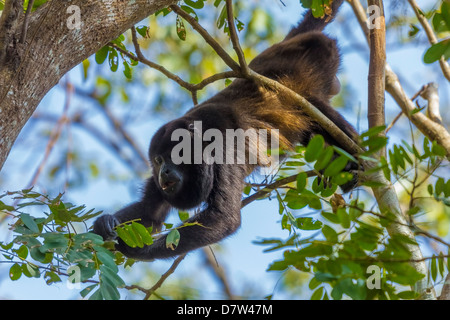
235,39
430,35
97,134
218,271
418,93
54,135
193,88
157,285
275,185
164,276
25,22
208,38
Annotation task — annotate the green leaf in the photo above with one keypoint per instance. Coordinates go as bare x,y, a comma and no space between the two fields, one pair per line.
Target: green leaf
53,241
308,224
22,252
86,63
330,217
413,30
172,239
113,60
143,233
97,295
30,270
317,295
437,50
195,4
6,207
101,55
324,158
126,237
110,276
433,268
374,131
29,222
181,30
127,70
439,187
51,277
344,218
143,31
88,290
438,149
183,215
15,272
314,148
408,295
336,166
107,260
330,234
302,179
356,291
315,249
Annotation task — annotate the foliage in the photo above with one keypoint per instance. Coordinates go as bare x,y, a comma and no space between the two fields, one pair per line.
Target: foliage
333,241
339,246
50,247
441,25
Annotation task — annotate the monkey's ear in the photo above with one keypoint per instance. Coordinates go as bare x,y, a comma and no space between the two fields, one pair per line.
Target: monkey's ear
335,87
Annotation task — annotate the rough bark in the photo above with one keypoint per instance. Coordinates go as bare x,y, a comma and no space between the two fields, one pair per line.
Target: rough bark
29,70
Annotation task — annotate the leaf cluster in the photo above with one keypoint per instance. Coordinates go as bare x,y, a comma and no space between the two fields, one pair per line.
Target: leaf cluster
50,247
338,240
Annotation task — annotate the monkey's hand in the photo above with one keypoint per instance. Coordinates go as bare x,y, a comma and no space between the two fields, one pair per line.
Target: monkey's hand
104,226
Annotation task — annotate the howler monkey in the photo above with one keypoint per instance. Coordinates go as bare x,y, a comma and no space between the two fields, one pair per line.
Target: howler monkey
305,61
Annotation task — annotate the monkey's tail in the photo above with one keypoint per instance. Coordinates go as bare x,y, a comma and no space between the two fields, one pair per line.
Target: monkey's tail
310,23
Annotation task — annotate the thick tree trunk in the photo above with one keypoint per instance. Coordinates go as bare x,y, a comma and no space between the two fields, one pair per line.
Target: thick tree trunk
52,47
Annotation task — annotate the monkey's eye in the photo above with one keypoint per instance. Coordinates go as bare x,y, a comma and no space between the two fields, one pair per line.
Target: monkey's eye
158,160
191,126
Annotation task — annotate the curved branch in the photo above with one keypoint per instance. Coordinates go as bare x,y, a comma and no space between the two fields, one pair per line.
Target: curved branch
430,35
432,130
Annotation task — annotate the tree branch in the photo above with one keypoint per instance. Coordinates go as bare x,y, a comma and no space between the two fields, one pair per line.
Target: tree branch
235,39
163,278
430,93
208,38
193,88
53,49
386,195
23,36
434,131
376,87
430,35
273,186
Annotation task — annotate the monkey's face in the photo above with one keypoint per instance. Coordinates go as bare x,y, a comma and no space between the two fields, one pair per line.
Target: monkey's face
183,183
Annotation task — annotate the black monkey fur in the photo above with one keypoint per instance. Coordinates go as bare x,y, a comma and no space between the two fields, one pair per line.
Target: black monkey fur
307,62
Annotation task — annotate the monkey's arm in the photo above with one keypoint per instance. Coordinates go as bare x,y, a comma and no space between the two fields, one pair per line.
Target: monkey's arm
220,219
151,210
